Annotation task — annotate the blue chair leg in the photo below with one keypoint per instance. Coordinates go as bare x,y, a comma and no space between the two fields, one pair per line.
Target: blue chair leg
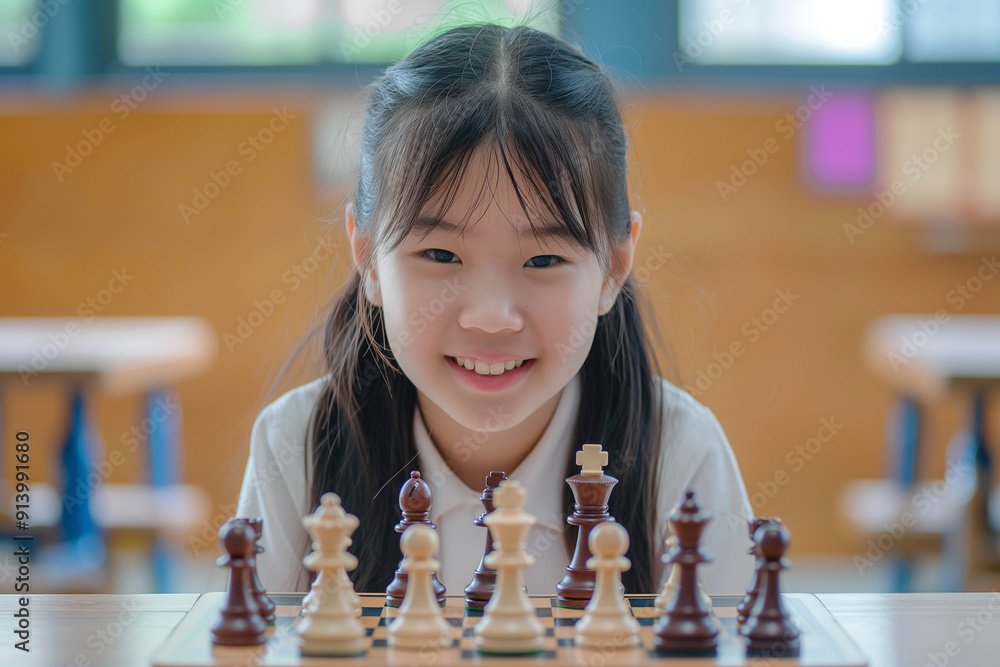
163,412
904,447
961,542
80,532
904,442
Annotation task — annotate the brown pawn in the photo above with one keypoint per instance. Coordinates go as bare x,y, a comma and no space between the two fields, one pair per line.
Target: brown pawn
769,629
484,580
264,602
687,627
591,490
415,501
746,604
241,623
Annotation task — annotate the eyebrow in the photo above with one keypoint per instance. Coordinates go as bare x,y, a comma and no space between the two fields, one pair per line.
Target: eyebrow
546,231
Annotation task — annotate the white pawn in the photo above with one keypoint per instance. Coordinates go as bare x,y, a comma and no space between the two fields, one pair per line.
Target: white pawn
329,625
509,624
420,621
665,598
607,620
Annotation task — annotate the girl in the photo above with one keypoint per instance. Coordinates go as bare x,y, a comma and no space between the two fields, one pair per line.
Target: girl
491,323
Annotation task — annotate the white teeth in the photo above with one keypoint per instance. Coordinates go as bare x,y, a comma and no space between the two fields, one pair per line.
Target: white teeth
482,368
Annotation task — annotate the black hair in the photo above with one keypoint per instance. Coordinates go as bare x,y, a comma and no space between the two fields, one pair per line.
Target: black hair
550,112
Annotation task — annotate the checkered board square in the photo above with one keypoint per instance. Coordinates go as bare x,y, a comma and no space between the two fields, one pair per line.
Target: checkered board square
824,642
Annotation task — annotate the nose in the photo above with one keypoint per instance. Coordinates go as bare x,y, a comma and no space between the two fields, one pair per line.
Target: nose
493,305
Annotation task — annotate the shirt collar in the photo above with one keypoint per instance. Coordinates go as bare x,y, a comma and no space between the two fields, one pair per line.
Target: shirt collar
542,472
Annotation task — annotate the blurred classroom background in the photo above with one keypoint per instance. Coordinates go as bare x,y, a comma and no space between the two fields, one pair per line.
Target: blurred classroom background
819,181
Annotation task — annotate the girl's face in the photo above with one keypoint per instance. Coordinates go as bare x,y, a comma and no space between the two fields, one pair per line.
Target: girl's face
494,294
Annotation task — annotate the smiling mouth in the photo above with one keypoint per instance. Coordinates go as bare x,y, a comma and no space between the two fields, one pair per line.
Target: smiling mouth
487,370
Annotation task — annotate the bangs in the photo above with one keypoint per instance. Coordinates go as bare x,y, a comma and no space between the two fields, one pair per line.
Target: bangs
428,151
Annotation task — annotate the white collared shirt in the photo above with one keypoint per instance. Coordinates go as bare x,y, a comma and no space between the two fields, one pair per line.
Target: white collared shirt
695,455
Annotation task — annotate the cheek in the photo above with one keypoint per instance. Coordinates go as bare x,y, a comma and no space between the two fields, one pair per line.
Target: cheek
412,310
570,323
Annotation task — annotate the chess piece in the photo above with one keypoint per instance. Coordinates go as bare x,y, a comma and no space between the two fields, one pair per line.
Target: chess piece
591,490
687,627
321,582
746,604
769,629
264,602
607,621
666,596
329,626
509,624
241,623
415,502
478,592
420,623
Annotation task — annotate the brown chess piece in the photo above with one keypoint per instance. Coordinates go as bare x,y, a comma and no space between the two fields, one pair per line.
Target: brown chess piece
484,580
591,490
415,502
769,629
687,627
241,623
264,602
746,604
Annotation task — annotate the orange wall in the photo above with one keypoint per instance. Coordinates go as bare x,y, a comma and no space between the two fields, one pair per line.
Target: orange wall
119,208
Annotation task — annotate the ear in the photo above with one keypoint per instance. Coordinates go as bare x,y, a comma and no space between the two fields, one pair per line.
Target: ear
361,251
621,264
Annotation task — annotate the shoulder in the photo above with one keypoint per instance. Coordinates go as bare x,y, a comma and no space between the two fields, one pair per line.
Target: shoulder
690,431
695,454
281,426
293,407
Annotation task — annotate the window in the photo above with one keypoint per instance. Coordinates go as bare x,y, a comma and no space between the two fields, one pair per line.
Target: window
300,32
838,32
20,23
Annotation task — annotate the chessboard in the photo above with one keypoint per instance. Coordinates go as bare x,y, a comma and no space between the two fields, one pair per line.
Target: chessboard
824,642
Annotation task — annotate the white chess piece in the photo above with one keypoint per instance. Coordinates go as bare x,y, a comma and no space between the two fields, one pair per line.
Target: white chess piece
509,624
607,620
320,582
329,625
665,598
420,620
